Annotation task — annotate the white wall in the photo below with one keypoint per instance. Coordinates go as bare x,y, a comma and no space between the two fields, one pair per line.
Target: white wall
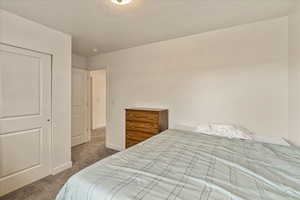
79,61
21,32
294,75
98,99
236,75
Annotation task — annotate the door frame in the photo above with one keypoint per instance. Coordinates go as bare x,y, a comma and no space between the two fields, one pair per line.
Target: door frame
107,105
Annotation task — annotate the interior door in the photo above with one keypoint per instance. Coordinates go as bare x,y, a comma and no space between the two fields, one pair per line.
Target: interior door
80,130
25,117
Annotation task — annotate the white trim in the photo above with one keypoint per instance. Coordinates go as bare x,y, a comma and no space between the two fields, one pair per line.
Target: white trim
75,67
99,126
117,148
107,118
78,68
89,106
52,161
61,168
76,141
108,106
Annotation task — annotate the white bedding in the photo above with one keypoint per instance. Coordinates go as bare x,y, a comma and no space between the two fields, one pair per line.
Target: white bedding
218,129
206,129
271,140
178,165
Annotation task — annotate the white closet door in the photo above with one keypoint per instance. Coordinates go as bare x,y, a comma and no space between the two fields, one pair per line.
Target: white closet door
25,117
80,87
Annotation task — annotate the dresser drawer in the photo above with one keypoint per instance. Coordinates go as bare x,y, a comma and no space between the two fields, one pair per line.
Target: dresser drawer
130,142
142,126
142,116
143,123
138,136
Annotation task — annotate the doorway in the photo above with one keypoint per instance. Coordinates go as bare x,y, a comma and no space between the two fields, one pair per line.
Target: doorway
98,104
80,116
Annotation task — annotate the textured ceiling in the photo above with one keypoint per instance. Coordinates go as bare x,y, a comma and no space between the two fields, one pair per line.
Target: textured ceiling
108,27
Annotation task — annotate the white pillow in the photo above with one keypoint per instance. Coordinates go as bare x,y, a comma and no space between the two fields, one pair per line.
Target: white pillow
225,130
205,128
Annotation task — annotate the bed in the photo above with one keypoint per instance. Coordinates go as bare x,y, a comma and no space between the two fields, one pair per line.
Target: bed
184,165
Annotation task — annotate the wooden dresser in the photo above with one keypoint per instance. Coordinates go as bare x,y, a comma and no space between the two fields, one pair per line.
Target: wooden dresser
143,123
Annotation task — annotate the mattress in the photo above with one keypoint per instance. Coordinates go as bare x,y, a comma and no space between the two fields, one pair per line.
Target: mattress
191,166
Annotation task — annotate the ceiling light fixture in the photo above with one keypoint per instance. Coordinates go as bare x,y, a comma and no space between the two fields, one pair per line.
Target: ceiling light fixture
121,2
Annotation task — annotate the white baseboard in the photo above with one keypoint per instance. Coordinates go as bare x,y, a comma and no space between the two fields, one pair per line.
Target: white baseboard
61,168
117,148
99,126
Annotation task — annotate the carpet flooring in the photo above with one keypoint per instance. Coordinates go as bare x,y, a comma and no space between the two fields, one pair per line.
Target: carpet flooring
82,156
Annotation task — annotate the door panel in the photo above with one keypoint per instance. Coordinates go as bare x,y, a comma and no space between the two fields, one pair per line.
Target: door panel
79,106
25,117
26,88
15,161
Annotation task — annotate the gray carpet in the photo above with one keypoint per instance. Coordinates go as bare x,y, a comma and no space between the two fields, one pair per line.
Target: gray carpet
82,156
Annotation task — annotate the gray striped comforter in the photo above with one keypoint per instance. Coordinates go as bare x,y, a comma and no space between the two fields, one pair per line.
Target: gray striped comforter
191,166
